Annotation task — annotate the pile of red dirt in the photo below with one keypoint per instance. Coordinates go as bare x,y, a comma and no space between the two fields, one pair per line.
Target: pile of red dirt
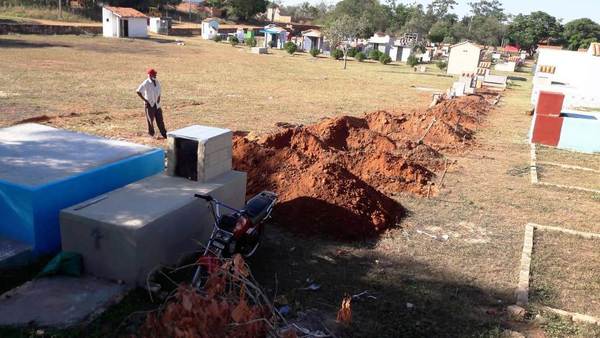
334,177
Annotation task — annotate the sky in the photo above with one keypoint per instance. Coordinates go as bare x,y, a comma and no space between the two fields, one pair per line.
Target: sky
567,10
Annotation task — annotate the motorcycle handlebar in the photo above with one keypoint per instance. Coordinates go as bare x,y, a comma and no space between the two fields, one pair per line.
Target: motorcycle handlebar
207,198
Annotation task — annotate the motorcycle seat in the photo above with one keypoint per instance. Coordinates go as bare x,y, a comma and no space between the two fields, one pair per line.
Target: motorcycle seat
258,206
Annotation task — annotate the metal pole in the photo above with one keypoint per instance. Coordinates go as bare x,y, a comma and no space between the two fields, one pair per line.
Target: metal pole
60,9
190,10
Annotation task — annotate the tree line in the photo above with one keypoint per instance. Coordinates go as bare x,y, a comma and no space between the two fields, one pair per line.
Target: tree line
487,22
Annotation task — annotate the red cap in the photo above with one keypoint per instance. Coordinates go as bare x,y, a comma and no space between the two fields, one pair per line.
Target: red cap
151,72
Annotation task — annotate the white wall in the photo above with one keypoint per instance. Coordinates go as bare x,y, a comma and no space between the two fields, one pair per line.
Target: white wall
577,70
463,59
109,23
405,53
210,30
138,27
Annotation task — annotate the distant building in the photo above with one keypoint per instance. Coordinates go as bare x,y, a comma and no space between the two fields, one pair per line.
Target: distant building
312,39
124,22
274,14
197,7
210,28
381,42
275,36
464,58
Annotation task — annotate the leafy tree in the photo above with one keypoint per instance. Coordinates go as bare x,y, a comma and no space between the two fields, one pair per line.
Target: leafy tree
440,8
487,30
439,31
399,15
342,31
373,16
581,33
245,9
419,21
528,30
487,8
215,3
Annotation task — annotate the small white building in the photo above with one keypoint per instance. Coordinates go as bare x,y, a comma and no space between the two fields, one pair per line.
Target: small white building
122,22
210,28
159,25
381,42
400,51
464,58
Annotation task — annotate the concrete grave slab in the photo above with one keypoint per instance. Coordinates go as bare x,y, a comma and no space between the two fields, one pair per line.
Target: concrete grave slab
34,154
58,301
156,221
44,169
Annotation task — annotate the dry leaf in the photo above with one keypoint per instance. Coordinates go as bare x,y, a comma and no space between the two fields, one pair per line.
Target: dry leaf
344,314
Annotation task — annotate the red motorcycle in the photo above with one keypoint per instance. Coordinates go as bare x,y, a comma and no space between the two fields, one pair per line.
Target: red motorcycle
239,232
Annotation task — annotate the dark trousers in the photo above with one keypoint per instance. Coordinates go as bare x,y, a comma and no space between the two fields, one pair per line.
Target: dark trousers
155,113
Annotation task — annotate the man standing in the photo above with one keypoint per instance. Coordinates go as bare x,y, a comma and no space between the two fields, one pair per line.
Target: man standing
149,91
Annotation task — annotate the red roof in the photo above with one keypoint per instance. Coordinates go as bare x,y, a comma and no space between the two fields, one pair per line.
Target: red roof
511,49
126,12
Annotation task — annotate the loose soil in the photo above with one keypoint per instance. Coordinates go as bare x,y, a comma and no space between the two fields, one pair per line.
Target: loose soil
335,177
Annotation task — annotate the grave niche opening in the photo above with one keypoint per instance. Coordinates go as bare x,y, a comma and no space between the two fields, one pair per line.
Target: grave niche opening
186,152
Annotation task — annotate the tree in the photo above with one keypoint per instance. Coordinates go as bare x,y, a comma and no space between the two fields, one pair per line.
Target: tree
439,31
488,30
487,8
398,15
528,30
342,31
419,21
245,9
581,33
373,15
440,8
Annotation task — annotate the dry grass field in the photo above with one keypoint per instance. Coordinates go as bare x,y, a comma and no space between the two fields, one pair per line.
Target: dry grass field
456,287
92,80
566,272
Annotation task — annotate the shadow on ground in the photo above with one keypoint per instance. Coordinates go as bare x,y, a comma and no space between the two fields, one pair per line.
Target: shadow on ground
15,43
413,300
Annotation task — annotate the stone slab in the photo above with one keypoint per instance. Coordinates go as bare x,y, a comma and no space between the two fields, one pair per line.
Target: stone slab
258,50
33,154
156,221
58,301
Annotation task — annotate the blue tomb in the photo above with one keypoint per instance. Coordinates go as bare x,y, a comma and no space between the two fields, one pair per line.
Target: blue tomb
44,169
